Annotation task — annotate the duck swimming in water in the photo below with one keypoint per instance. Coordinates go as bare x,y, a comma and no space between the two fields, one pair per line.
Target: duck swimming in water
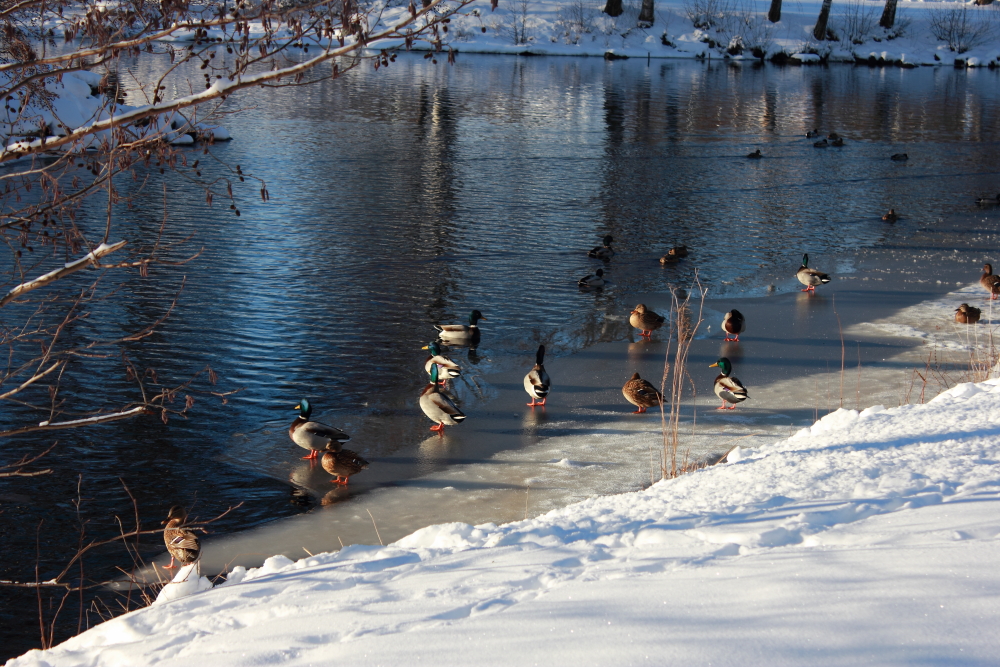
603,251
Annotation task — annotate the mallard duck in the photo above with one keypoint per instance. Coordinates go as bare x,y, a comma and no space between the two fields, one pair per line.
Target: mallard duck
823,143
641,394
728,388
461,333
438,407
986,201
989,281
812,134
603,251
833,136
674,254
537,382
446,367
645,320
838,142
966,314
891,216
593,280
810,277
733,324
756,154
314,436
181,543
342,465
899,157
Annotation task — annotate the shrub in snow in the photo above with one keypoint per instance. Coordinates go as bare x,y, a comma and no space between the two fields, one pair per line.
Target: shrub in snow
516,23
574,20
962,28
856,21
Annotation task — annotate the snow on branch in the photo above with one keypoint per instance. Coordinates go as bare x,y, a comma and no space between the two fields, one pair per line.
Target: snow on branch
90,259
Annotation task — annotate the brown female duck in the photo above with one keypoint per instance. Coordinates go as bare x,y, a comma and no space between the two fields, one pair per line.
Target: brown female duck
645,320
641,394
990,282
966,314
342,465
181,543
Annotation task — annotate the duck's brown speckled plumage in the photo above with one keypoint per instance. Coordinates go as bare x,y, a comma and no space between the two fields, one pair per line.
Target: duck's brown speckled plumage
182,544
343,464
966,314
645,320
641,394
989,281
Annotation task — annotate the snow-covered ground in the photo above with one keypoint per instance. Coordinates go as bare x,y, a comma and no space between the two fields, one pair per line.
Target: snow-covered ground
737,29
868,538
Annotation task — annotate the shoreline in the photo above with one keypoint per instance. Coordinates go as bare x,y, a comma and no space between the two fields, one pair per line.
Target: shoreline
585,444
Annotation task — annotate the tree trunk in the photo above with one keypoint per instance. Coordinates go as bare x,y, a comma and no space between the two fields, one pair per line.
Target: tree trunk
646,14
613,8
774,13
888,14
819,32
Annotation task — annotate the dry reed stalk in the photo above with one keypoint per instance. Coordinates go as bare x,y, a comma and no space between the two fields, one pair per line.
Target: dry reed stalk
683,330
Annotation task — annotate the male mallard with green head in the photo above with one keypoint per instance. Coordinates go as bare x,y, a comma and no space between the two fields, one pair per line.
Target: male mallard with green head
810,277
460,334
727,387
314,436
641,394
536,382
733,325
603,251
645,320
593,280
181,543
966,314
438,407
342,465
990,282
446,367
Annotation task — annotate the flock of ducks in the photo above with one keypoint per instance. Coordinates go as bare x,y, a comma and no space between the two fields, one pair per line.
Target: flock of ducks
439,406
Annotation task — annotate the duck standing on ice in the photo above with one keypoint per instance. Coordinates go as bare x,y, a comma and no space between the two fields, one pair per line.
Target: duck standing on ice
810,277
537,382
727,387
314,436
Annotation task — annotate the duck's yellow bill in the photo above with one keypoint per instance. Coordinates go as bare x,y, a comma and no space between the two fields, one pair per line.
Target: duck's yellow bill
426,347
298,407
713,365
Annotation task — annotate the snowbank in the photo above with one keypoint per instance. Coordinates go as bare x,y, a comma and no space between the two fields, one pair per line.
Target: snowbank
77,101
868,538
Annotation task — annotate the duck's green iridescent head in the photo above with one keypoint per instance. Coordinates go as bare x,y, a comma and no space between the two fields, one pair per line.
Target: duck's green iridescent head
805,261
724,366
608,240
475,316
433,348
304,408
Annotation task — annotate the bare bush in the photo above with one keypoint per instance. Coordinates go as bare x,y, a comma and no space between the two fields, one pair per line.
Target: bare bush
857,21
706,14
516,23
961,28
575,20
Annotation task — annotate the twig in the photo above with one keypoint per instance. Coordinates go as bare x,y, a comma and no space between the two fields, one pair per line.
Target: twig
376,529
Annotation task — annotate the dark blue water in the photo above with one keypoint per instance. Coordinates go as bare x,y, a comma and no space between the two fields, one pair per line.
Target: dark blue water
411,195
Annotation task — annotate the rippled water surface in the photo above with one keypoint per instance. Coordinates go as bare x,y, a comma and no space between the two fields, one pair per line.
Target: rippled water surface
411,195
